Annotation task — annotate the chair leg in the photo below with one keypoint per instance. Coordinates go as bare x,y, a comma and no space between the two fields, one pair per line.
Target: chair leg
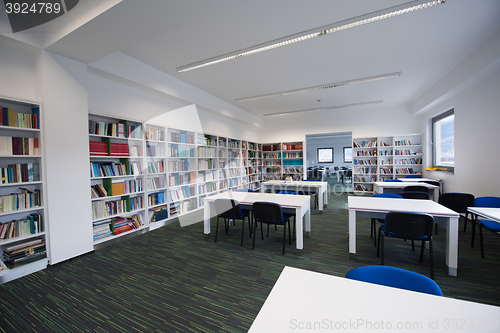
262,231
413,245
216,229
284,237
289,233
432,258
372,226
465,222
473,221
243,229
481,239
254,226
422,251
381,240
378,244
435,228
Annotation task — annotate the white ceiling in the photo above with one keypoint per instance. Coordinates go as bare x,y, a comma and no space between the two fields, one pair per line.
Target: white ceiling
424,45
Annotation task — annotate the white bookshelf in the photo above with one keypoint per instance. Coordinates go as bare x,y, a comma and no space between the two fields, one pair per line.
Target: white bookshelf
22,177
385,157
283,159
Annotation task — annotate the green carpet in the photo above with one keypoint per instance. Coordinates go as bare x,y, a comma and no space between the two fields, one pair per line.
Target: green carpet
177,279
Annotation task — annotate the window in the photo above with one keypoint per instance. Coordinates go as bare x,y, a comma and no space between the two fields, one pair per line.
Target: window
325,155
443,140
347,154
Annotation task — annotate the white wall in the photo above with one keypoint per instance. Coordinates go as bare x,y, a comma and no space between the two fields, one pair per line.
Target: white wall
477,124
337,143
361,121
65,135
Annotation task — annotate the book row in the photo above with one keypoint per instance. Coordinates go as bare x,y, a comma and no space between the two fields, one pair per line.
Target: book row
19,146
27,199
9,117
181,137
20,173
31,225
118,130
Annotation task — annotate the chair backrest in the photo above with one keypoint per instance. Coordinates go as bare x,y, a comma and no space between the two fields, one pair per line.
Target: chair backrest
288,192
416,188
457,202
245,190
308,180
335,168
395,277
388,195
227,208
413,176
415,195
493,202
267,212
393,180
348,173
409,225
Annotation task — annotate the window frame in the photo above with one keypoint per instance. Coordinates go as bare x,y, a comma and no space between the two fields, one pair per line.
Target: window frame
345,161
328,148
435,120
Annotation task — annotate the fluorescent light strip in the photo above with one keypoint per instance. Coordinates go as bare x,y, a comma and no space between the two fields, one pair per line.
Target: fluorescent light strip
286,113
324,86
334,27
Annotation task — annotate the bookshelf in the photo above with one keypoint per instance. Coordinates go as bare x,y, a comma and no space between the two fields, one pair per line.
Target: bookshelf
117,170
170,171
22,218
385,157
284,159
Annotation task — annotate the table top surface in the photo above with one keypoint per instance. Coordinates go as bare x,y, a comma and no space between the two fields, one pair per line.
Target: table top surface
295,182
418,179
492,213
404,184
376,204
302,298
285,200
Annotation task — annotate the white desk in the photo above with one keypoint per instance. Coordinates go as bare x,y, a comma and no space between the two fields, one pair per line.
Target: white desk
299,204
305,301
484,212
318,187
397,187
417,179
379,207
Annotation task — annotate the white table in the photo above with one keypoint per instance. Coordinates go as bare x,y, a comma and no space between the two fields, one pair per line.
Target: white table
379,207
418,179
299,204
318,187
305,301
397,187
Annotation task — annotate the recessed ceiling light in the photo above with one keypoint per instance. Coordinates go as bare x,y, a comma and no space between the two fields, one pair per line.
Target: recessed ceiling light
286,113
320,31
324,86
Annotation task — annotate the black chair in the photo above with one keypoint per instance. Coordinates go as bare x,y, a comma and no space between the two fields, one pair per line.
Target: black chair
347,174
230,209
457,202
270,213
373,232
413,226
415,195
416,188
395,277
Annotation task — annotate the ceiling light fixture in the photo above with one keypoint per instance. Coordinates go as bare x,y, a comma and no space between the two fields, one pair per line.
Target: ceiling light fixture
320,31
286,113
324,86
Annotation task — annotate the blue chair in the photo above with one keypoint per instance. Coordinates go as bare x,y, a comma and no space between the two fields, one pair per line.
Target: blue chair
395,277
414,176
230,209
492,202
287,215
312,194
393,180
373,232
269,213
416,188
412,226
287,192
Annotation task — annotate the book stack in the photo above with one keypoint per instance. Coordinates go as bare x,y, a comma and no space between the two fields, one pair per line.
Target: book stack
124,224
24,253
101,229
160,213
98,191
98,148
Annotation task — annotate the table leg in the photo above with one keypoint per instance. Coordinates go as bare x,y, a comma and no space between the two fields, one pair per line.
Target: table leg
352,231
299,233
320,200
206,217
452,246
